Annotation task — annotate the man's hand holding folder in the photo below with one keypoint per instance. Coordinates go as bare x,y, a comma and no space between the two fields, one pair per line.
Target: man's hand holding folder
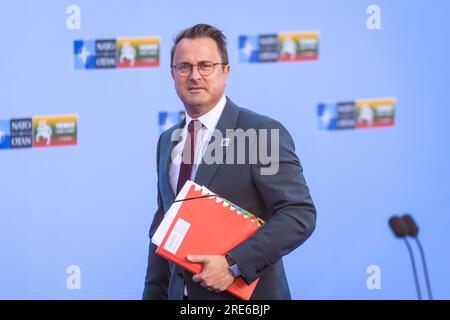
205,226
215,275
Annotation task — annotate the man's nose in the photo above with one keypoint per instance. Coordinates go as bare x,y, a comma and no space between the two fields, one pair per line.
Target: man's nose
195,75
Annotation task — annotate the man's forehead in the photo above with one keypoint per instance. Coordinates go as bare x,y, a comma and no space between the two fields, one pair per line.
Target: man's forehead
198,49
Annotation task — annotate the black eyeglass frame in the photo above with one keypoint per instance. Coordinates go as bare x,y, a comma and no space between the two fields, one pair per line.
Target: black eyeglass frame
191,67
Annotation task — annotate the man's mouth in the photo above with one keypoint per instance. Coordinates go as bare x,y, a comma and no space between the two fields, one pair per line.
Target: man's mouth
196,89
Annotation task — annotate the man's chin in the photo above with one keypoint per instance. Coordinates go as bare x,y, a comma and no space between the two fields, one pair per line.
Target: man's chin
196,102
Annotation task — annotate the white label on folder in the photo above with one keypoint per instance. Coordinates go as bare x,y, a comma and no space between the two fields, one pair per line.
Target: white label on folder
177,235
170,214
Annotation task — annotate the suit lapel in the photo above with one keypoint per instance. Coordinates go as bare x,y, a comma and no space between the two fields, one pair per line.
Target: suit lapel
228,120
166,159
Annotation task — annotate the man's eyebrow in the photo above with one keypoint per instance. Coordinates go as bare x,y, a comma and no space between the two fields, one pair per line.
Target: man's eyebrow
180,62
183,62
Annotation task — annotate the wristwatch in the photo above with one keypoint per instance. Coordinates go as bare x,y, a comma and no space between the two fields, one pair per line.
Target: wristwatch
232,266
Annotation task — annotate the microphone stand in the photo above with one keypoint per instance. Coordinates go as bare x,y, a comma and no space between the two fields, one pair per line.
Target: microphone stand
416,280
422,253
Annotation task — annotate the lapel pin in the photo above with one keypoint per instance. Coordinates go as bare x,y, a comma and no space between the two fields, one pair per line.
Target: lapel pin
225,142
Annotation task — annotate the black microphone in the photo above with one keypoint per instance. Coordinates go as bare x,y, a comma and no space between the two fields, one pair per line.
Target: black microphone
401,230
398,226
413,231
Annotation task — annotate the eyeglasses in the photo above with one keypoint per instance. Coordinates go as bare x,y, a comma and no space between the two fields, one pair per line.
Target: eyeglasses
205,68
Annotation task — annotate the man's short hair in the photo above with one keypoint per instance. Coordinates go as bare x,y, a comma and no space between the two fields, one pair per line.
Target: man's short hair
203,31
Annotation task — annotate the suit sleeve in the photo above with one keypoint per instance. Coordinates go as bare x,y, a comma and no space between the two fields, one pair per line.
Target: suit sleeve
158,272
291,210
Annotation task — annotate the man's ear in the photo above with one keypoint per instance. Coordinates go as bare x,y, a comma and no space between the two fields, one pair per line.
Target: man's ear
226,71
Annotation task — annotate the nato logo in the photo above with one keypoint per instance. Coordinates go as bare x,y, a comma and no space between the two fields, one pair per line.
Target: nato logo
5,134
84,54
248,48
268,48
168,119
346,115
21,133
327,115
105,53
261,48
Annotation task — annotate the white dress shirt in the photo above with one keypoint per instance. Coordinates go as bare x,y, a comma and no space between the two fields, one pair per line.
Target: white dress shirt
202,138
209,121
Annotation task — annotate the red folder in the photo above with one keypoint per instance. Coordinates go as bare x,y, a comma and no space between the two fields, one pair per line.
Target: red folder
202,225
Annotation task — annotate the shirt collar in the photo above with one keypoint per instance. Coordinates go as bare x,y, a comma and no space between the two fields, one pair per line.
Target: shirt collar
211,118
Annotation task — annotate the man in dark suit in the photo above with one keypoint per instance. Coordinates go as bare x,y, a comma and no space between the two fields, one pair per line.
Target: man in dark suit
281,197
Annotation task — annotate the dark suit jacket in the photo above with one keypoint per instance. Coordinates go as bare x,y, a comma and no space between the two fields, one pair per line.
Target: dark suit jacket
283,200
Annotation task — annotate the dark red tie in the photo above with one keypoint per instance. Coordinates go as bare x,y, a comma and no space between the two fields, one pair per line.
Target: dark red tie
187,158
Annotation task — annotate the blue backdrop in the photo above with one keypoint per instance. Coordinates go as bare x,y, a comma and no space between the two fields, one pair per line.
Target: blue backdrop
90,205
